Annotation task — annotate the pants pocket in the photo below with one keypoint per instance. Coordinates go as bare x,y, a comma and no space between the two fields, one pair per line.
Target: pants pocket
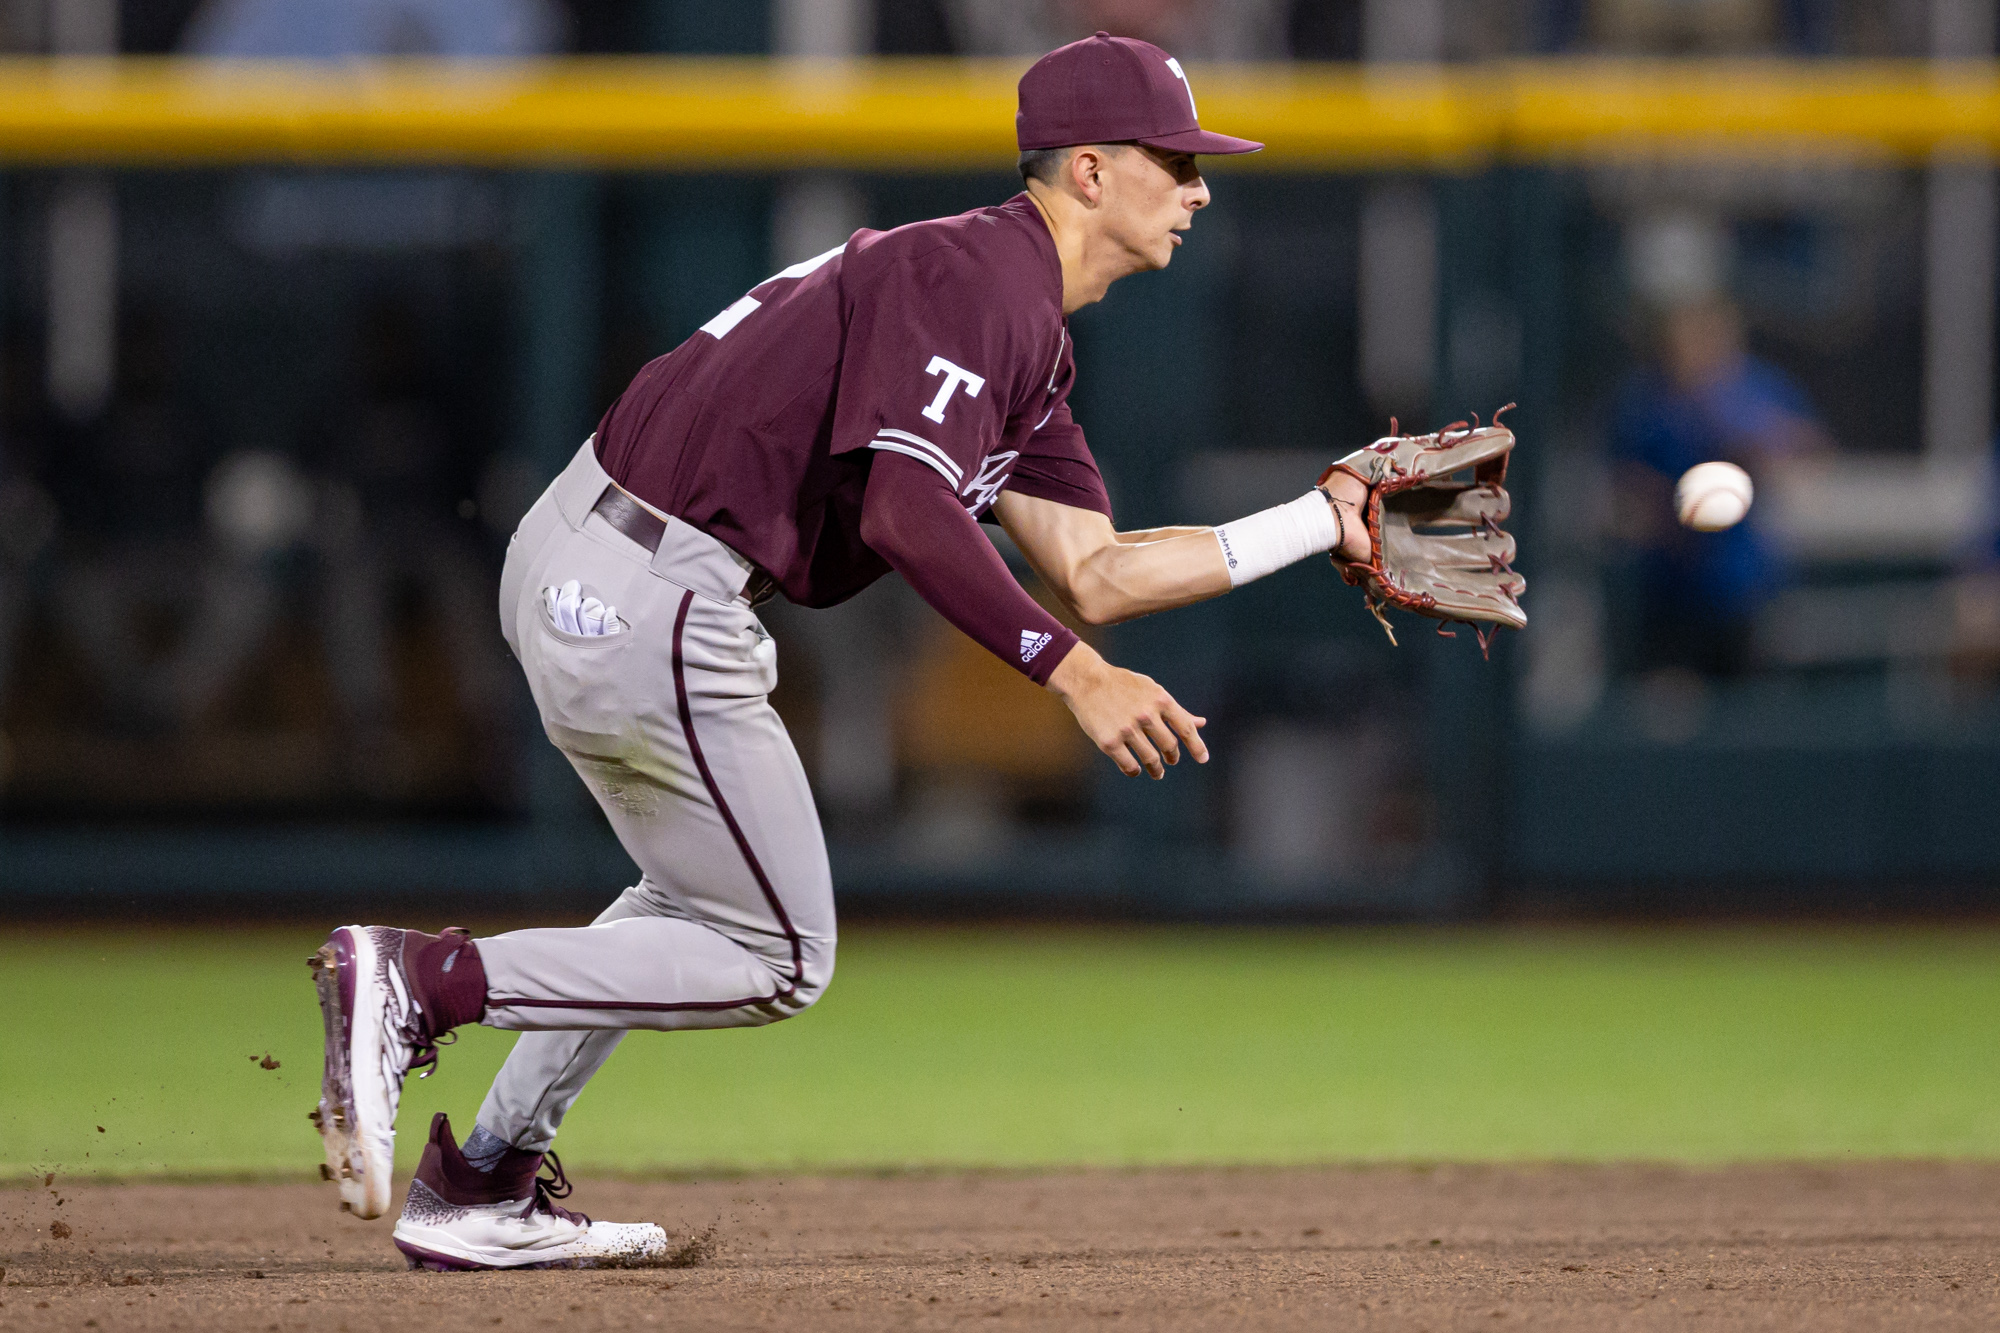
548,622
728,654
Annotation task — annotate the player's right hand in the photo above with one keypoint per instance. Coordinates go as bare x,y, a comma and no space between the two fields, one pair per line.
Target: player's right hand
1128,716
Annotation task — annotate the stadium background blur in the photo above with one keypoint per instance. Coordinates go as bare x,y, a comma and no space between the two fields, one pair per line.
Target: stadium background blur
268,415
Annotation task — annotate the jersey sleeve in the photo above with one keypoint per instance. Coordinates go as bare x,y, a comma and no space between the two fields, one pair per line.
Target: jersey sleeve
929,367
916,523
1055,464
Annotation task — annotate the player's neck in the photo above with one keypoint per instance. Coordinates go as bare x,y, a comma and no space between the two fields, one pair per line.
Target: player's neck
1087,271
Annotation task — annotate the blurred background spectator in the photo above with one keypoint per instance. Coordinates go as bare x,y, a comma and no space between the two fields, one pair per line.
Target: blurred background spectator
1702,397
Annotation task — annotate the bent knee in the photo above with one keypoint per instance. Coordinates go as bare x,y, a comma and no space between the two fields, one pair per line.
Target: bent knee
807,980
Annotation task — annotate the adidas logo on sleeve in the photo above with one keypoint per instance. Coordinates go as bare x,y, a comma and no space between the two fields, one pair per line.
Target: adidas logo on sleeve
1032,643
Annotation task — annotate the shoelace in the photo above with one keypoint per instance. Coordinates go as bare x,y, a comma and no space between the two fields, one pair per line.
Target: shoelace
424,1050
551,1187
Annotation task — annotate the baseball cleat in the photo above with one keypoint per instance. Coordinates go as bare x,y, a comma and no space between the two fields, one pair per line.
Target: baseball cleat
366,1057
378,1028
457,1218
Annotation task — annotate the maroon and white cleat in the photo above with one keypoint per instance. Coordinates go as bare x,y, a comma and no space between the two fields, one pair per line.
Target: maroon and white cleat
458,1217
386,998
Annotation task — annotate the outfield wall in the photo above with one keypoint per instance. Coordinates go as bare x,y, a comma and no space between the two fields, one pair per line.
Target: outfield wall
584,214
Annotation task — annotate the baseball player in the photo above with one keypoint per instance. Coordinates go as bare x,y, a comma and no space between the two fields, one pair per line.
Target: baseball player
854,414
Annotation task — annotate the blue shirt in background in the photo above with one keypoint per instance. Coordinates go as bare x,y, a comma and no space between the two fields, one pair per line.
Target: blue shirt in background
1743,418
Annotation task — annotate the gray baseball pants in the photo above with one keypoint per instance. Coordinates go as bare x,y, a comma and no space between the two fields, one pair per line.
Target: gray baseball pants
670,725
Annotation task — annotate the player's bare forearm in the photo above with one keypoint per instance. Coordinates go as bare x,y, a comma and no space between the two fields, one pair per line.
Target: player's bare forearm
1123,580
1105,576
1145,535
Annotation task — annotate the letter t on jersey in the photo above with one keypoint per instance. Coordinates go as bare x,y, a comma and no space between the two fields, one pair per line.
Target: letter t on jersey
953,377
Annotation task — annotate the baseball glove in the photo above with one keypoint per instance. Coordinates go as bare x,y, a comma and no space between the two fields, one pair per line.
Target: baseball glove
1435,544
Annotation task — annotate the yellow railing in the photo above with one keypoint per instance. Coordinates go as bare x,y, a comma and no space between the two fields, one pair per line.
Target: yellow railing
925,114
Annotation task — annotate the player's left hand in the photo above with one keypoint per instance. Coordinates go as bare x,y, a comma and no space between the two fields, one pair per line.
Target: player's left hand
1435,545
1349,495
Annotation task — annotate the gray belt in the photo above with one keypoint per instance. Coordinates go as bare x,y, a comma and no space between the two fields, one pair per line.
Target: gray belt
645,527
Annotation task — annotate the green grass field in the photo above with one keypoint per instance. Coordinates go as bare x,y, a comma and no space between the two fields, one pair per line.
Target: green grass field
1007,1047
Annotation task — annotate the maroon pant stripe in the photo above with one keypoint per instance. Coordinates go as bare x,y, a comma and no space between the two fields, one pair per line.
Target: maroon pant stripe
643,1005
715,794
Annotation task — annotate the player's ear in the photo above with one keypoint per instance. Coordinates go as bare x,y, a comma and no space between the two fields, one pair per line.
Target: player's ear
1086,173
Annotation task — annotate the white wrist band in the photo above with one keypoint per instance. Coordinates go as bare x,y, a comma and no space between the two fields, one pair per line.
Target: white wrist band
1270,539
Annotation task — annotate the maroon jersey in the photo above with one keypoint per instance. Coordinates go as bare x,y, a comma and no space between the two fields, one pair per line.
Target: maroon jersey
943,342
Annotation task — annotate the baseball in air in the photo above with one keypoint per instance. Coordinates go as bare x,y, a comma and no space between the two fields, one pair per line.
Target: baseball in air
1712,496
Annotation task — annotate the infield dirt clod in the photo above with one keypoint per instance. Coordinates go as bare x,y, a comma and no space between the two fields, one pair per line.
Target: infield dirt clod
697,1249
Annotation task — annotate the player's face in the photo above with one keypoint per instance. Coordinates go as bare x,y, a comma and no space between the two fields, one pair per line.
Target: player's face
1153,198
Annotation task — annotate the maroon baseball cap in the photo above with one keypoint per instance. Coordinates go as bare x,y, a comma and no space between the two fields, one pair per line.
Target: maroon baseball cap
1107,89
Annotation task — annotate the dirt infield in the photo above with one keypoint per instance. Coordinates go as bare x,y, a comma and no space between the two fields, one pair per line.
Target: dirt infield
1874,1246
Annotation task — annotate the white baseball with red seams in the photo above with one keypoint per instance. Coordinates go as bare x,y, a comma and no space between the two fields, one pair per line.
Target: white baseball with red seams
1713,496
